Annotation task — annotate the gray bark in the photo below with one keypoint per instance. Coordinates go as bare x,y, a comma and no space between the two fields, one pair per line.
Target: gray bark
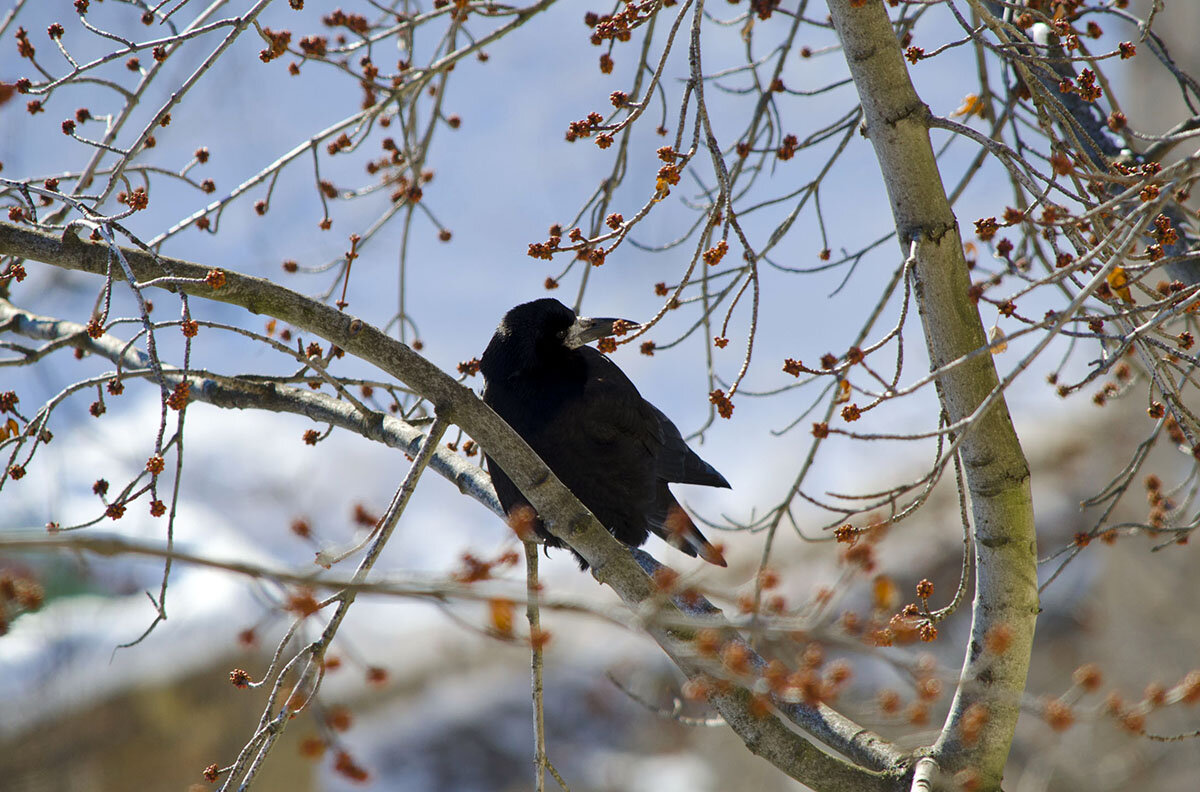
997,473
769,736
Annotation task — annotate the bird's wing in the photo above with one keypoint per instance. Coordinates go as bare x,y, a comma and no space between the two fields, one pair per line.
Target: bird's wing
611,415
675,461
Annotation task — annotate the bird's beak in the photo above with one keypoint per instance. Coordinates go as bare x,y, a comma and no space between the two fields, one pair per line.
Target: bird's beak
586,330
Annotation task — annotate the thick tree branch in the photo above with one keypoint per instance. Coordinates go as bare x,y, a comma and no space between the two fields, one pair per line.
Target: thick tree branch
996,470
611,563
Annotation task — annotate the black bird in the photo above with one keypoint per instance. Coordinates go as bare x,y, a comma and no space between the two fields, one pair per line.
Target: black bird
586,420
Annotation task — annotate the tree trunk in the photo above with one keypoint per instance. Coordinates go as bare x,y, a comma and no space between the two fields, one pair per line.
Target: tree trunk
997,475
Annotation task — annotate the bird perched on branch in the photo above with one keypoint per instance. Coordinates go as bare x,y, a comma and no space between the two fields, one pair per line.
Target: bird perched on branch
573,406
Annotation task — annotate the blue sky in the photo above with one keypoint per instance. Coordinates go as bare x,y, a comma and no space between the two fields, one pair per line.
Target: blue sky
501,179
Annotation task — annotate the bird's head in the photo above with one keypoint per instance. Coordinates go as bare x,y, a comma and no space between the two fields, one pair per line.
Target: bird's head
539,333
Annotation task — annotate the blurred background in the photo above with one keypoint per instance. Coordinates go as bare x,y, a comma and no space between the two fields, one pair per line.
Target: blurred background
451,710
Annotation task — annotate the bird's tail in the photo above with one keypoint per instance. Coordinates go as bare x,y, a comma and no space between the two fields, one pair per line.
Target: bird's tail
679,530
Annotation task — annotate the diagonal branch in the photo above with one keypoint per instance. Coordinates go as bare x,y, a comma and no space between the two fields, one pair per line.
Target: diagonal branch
255,752
612,563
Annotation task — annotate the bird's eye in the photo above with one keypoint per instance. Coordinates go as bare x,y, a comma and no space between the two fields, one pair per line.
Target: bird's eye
562,334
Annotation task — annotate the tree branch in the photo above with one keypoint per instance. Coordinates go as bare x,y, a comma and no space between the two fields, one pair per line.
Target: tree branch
996,470
242,393
610,561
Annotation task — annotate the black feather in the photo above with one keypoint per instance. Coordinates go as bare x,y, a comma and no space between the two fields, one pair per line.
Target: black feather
589,424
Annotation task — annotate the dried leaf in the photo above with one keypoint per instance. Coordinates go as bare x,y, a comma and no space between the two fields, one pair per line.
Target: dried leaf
1119,281
885,593
972,105
843,392
502,616
996,340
